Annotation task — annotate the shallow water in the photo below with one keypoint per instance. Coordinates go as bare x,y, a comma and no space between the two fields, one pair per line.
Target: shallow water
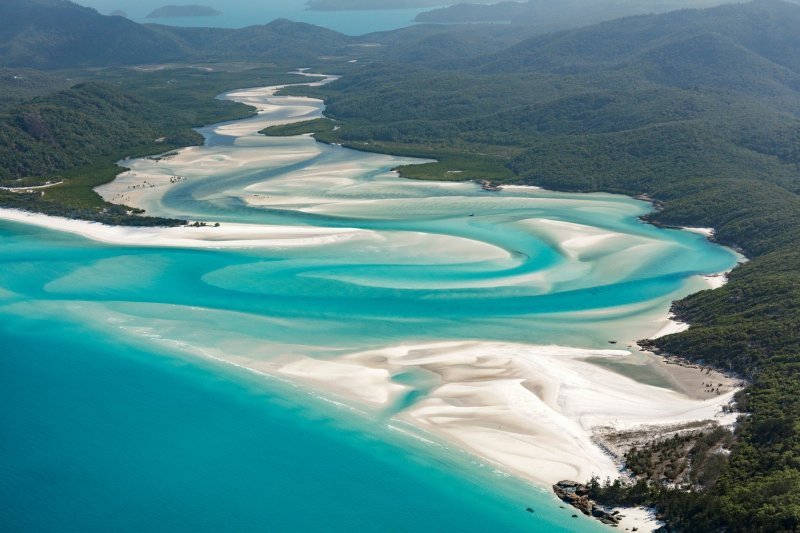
109,417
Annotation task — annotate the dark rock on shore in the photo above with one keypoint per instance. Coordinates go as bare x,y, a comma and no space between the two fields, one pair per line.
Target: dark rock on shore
577,495
490,186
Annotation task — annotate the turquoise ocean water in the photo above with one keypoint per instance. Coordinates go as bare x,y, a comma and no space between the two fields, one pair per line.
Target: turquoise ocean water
102,436
111,422
102,433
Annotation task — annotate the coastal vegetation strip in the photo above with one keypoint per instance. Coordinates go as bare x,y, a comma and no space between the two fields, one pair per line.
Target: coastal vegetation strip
316,126
77,136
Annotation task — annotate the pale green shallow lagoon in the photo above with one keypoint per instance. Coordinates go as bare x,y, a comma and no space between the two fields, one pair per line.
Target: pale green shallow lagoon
109,418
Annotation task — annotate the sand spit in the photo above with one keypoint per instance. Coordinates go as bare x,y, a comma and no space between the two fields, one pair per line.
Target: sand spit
530,410
225,236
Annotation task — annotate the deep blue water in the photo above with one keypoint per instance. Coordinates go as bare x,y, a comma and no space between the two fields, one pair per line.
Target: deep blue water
98,435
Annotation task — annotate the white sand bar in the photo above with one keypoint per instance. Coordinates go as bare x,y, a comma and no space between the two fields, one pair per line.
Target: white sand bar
225,236
529,410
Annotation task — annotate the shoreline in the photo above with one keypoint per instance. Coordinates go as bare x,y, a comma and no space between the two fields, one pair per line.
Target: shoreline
518,407
529,410
137,187
226,236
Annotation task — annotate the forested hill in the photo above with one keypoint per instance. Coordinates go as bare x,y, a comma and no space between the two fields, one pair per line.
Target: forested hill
443,46
547,15
622,99
748,40
281,41
74,137
72,128
50,34
701,111
61,34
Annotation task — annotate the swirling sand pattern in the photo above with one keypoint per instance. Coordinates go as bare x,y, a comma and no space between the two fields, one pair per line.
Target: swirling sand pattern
464,313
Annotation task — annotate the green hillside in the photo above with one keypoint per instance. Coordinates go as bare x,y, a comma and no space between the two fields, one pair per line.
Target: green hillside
61,34
701,111
75,137
50,34
551,16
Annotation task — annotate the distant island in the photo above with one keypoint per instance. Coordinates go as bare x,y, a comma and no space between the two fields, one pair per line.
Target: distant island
118,13
191,10
364,5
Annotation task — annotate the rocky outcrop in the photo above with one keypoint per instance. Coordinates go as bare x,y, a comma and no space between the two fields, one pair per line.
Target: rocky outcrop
490,186
577,495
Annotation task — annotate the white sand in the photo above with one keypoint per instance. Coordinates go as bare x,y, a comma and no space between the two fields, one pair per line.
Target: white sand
529,410
225,236
577,241
521,188
715,281
637,517
148,180
708,232
430,248
671,326
365,384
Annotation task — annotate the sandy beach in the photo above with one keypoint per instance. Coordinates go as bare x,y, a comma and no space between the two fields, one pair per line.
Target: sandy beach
639,518
533,411
529,410
225,236
706,232
150,178
442,248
